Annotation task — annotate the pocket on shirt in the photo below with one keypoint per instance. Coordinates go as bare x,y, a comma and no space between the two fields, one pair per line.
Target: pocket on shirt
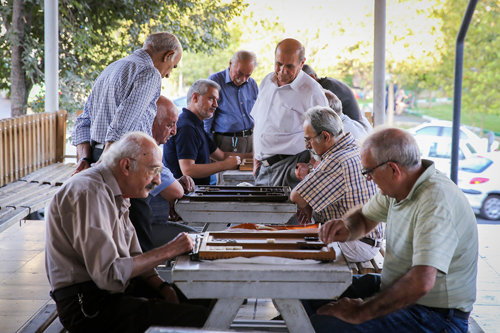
290,120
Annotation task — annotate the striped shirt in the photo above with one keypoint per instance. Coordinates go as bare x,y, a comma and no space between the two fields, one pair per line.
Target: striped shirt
337,184
123,100
433,226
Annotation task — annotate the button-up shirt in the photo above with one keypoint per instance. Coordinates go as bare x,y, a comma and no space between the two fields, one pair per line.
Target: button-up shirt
89,233
351,126
235,104
278,114
123,100
337,185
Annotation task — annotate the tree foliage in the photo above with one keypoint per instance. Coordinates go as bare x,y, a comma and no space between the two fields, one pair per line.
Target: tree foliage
94,33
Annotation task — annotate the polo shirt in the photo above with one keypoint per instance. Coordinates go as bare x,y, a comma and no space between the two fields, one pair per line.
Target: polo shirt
433,226
190,142
234,105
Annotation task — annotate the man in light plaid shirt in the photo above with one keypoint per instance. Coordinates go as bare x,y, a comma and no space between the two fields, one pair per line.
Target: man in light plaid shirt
337,184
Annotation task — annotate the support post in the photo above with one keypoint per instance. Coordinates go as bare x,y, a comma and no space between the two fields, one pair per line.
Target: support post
379,64
51,17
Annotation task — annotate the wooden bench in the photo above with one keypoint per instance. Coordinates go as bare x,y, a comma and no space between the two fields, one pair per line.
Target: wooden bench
31,193
372,266
45,320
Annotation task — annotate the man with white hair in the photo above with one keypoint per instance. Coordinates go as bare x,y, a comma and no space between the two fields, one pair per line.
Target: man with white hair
350,126
232,124
336,185
100,279
428,283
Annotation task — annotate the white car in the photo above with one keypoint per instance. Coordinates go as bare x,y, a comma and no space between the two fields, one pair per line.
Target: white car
443,128
479,179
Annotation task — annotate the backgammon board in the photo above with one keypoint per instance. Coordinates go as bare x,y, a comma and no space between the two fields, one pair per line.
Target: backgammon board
293,244
240,193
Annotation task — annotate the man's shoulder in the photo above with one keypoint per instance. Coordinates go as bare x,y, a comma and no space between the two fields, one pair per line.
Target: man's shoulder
89,181
219,77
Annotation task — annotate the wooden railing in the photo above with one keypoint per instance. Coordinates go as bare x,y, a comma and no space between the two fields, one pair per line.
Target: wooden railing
31,142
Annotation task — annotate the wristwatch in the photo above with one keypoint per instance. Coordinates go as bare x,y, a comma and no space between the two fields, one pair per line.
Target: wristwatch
86,159
309,165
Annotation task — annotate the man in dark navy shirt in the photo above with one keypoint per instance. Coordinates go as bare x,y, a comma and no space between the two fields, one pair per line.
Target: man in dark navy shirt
190,150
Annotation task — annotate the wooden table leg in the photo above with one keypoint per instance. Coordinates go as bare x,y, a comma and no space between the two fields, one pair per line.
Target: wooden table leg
294,315
223,313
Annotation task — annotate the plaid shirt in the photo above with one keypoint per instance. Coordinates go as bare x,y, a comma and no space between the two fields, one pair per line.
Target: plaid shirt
337,184
123,100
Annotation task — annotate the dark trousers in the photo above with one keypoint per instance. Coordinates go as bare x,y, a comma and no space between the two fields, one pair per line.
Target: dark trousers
140,307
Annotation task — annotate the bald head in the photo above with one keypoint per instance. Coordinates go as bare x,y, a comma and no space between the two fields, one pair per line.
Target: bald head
164,125
289,59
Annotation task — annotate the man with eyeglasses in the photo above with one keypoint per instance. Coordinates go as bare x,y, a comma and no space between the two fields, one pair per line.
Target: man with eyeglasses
99,277
336,185
428,283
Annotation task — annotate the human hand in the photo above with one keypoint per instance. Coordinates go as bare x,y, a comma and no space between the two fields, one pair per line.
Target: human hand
187,184
304,215
232,162
256,166
334,230
301,171
346,309
172,214
169,295
180,245
82,165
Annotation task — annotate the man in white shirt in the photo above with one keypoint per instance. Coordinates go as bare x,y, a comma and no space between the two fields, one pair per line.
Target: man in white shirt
284,96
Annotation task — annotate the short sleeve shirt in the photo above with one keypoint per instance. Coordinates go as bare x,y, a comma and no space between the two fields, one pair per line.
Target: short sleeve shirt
191,142
433,226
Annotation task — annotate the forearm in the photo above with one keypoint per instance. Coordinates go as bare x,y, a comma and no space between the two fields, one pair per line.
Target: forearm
203,170
83,150
241,155
295,197
149,260
358,224
172,192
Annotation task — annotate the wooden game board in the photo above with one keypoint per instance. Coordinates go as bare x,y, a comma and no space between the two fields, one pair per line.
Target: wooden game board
284,244
246,164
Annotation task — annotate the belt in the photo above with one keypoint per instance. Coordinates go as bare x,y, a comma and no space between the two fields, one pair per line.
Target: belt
371,241
237,134
73,290
97,145
274,159
456,313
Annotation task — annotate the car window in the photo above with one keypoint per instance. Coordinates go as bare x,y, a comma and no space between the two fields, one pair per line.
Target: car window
440,150
447,133
429,130
475,164
471,149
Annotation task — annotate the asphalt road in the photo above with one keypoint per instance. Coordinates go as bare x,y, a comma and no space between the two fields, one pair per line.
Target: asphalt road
483,221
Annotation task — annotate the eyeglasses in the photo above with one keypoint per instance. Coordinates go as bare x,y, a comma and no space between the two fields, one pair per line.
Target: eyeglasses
366,172
153,171
308,141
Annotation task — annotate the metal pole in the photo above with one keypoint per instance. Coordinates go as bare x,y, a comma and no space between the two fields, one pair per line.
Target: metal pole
51,16
457,95
379,65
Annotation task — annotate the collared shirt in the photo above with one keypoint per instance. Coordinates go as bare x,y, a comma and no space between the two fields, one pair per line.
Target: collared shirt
278,114
337,185
123,100
235,103
433,226
89,233
191,142
351,126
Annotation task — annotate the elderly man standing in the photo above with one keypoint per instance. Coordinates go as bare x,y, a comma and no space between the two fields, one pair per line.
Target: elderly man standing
100,280
284,96
336,185
428,283
232,124
189,152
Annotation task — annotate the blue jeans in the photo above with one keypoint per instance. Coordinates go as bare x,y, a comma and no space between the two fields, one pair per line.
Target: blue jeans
414,318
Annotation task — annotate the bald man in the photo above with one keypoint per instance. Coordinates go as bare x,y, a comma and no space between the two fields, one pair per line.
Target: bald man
284,96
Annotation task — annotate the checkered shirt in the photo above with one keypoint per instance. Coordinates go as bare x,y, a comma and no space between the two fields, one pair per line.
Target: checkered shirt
123,100
337,184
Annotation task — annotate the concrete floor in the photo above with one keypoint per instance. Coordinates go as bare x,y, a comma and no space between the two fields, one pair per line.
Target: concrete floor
24,288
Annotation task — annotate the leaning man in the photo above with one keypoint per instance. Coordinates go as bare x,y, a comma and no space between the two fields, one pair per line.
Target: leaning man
428,283
100,279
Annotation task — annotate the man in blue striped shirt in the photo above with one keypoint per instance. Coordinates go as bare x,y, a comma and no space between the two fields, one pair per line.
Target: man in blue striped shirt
336,185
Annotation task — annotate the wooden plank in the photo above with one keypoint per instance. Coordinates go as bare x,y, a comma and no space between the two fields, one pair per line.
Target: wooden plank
13,216
294,315
41,320
25,194
56,327
29,144
474,327
15,155
10,151
60,138
378,262
2,156
354,268
24,145
369,116
223,313
365,267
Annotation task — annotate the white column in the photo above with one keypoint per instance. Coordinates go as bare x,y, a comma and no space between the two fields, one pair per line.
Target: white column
379,64
51,17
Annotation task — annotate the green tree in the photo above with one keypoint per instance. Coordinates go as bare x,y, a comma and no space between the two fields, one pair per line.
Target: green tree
94,33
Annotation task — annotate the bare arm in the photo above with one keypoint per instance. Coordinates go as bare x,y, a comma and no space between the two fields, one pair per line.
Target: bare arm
352,227
83,150
412,286
189,168
219,155
305,211
172,192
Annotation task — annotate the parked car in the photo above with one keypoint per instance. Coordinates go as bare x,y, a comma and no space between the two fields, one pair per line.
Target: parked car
479,179
180,102
442,128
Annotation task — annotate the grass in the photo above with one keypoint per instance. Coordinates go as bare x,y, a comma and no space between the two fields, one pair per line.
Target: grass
445,112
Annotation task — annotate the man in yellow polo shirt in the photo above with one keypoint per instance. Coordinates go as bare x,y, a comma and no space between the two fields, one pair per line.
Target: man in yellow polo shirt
428,283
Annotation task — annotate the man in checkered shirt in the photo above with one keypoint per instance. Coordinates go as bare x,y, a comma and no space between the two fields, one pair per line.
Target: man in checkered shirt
336,185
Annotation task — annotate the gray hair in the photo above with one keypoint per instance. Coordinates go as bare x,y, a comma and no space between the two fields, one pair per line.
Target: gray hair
243,55
131,145
333,101
162,42
309,70
201,87
323,118
393,144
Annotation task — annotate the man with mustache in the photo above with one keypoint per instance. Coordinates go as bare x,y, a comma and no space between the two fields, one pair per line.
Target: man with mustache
284,96
100,279
190,150
232,124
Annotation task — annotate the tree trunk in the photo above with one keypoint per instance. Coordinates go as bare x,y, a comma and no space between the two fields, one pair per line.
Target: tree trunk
18,90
